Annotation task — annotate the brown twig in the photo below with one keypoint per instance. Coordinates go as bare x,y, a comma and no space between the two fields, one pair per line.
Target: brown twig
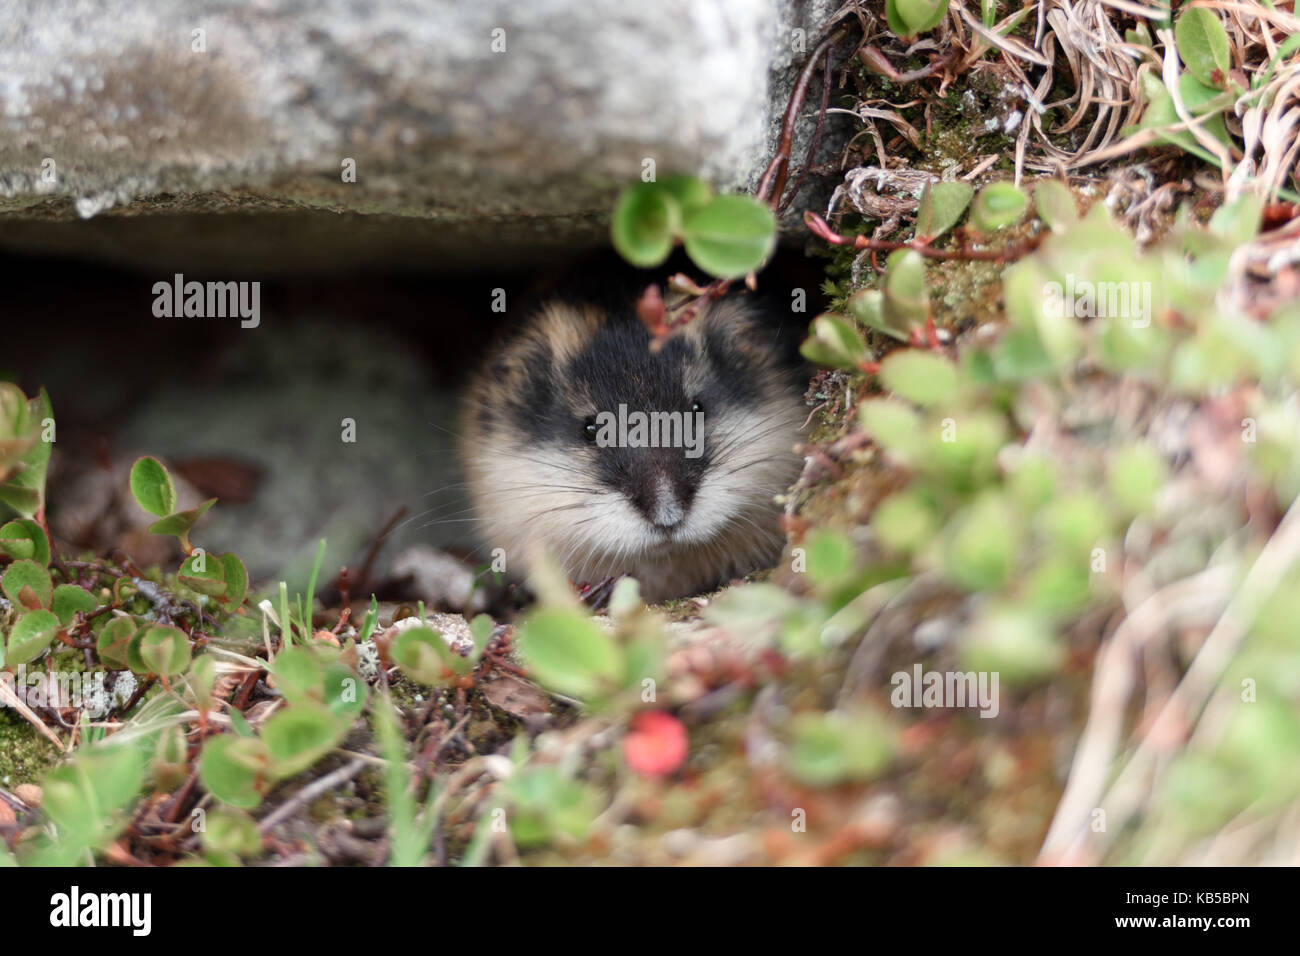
246,690
822,230
139,692
816,139
331,781
364,577
877,62
771,185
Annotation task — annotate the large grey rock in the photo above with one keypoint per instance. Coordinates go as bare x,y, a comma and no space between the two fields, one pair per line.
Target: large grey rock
478,129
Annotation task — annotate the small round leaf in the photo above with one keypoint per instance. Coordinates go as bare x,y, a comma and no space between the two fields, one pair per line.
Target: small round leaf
234,769
23,538
152,487
568,653
997,206
30,637
27,584
834,343
922,378
730,236
299,736
1203,45
69,599
942,204
164,650
644,223
114,640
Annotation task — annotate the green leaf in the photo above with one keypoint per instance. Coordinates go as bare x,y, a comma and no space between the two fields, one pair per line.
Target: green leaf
205,573
481,628
1260,742
202,680
1161,113
181,522
893,425
907,18
643,658
982,545
310,609
234,769
997,206
548,804
423,655
17,430
23,538
24,491
370,621
1237,222
170,766
232,831
299,676
345,693
688,192
835,343
236,577
299,736
113,642
895,21
1019,356
1060,585
830,557
829,748
1199,98
1075,523
643,224
729,236
27,584
23,500
152,487
408,834
962,450
30,637
907,298
239,723
1014,643
922,378
1136,476
942,204
133,658
1023,292
68,599
567,652
1033,480
1055,204
286,621
1139,35
165,650
868,307
85,797
1203,45
905,522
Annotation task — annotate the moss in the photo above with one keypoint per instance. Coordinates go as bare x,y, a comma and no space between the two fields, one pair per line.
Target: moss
25,753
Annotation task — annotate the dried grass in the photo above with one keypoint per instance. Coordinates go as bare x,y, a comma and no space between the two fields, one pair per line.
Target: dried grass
1081,46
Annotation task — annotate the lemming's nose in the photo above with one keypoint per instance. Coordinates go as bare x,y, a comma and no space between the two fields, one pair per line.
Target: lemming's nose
661,504
665,509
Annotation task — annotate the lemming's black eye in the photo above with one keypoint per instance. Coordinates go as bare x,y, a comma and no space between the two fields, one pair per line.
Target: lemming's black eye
589,429
696,406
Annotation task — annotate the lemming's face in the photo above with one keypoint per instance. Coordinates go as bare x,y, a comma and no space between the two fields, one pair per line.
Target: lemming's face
562,431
